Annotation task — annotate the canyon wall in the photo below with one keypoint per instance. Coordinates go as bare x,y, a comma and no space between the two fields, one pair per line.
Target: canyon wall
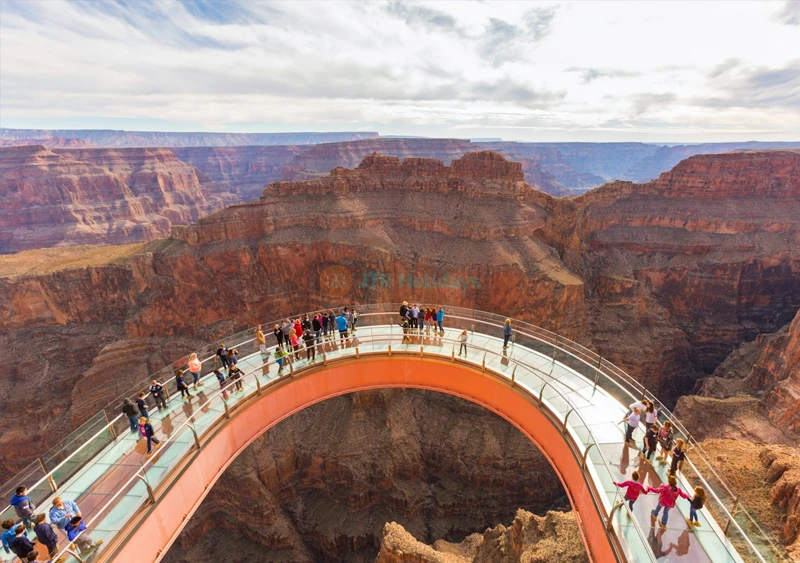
321,485
81,196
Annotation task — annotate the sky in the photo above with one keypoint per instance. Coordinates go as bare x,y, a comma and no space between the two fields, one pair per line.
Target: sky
671,71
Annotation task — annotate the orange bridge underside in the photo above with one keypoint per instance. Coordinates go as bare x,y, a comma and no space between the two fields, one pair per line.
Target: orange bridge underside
150,540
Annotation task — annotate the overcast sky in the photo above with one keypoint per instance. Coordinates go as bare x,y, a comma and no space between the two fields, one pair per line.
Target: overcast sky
537,71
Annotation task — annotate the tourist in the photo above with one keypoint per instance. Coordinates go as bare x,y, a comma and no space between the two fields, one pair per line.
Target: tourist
235,375
141,404
286,328
341,325
33,557
221,380
222,354
325,321
678,457
195,366
665,441
406,324
181,384
278,335
428,316
280,356
45,534
462,338
404,309
650,414
414,313
633,422
349,316
76,533
440,319
331,325
697,502
145,431
355,317
633,489
293,342
129,410
641,405
158,393
650,443
233,358
261,341
8,534
298,328
21,546
506,333
62,511
310,346
668,493
316,326
24,507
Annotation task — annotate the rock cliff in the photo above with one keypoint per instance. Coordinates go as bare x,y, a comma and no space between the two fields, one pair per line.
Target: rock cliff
80,196
322,484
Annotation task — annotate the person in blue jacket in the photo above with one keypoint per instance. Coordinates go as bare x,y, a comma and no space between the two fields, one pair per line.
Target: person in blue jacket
8,534
76,532
24,506
341,324
45,534
440,319
62,512
506,333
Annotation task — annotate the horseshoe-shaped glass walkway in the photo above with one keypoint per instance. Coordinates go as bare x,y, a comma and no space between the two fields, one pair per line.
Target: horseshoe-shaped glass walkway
103,467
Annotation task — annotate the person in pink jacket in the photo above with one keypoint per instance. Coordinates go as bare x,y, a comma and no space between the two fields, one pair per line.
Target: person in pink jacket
632,488
194,368
668,493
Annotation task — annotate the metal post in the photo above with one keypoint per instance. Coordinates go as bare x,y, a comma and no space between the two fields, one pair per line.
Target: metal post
194,433
324,358
52,483
390,349
75,555
227,408
610,521
734,508
422,350
258,384
111,426
596,376
150,494
566,417
291,368
586,455
513,373
356,351
483,364
541,391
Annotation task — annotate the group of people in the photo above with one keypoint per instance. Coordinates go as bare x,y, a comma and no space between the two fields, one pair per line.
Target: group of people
421,319
64,515
659,437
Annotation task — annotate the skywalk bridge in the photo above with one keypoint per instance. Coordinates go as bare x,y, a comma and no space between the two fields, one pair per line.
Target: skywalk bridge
566,399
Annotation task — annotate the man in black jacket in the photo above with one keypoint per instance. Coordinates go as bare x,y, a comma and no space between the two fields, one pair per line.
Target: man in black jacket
45,534
129,410
21,545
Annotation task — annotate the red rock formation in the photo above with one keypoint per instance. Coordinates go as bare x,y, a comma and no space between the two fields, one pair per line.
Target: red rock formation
783,472
79,196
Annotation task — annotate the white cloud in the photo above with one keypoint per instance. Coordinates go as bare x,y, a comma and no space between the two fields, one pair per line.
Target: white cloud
672,71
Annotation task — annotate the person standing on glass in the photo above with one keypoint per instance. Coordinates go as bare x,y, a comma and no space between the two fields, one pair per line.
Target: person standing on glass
63,511
194,368
506,333
129,410
440,319
24,507
146,431
278,333
141,404
316,324
159,394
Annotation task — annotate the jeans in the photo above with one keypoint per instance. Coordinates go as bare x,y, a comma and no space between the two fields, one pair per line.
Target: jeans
134,421
692,514
311,351
462,347
439,323
145,414
195,377
153,440
658,509
629,433
506,338
279,361
160,402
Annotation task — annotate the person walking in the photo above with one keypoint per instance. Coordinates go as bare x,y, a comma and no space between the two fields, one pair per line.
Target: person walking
697,502
665,437
77,534
668,493
129,410
633,423
633,488
159,394
222,354
678,457
506,333
63,510
146,431
195,366
8,534
141,404
462,339
181,384
440,319
280,357
45,534
278,333
650,443
24,507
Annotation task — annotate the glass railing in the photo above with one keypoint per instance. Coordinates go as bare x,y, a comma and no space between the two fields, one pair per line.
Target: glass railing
72,464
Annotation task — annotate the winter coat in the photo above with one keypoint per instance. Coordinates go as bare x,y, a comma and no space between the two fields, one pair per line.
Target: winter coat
667,495
23,506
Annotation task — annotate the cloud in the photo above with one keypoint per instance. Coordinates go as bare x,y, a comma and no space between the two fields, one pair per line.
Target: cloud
591,74
758,86
724,67
503,42
790,13
642,103
415,14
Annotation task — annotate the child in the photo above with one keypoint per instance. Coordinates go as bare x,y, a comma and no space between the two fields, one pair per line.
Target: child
21,545
141,404
633,489
697,502
280,356
159,394
235,375
665,441
181,383
462,338
294,341
221,380
76,533
633,422
650,443
146,431
8,534
668,493
33,557
23,506
678,456
406,326
45,534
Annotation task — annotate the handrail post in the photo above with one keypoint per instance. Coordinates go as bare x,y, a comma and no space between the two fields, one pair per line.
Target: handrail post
610,521
258,384
734,508
541,391
390,349
110,426
356,351
513,374
52,483
227,408
150,493
291,368
566,417
452,355
75,555
483,363
194,433
586,455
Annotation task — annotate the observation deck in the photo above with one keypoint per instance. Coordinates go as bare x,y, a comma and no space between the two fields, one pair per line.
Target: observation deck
565,398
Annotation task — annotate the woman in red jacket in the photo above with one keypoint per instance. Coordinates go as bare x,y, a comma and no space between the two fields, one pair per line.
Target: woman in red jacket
668,493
